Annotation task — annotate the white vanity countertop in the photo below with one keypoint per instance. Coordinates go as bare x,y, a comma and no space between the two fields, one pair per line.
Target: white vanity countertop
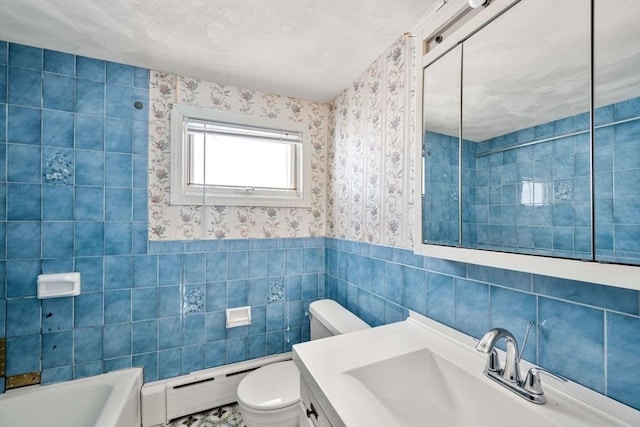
323,365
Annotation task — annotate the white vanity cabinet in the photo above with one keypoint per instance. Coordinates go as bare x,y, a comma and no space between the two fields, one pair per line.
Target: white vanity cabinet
311,413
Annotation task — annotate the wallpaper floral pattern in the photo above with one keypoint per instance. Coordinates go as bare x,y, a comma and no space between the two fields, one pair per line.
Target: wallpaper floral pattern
371,162
167,222
363,164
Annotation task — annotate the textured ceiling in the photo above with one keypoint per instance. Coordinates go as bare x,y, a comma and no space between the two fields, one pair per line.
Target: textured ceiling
310,49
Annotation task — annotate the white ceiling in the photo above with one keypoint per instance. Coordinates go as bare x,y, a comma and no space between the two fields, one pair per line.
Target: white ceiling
311,49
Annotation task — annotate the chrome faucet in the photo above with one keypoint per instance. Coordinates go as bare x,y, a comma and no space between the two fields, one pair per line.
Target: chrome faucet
529,389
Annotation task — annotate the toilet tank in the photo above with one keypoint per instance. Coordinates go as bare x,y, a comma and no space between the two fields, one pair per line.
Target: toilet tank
329,318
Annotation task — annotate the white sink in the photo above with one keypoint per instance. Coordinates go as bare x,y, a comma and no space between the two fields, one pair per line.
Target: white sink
422,388
421,373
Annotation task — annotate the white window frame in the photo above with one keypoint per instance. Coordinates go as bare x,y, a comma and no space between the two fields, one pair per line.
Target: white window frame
184,194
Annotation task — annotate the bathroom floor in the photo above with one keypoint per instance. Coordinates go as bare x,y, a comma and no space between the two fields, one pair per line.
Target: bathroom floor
224,416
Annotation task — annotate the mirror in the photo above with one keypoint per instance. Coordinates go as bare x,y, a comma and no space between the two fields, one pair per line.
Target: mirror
440,201
524,130
617,131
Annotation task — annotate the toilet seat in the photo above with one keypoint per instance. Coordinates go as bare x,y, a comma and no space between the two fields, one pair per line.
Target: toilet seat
271,387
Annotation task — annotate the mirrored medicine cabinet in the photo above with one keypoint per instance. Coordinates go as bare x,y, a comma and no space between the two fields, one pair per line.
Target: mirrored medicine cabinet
531,138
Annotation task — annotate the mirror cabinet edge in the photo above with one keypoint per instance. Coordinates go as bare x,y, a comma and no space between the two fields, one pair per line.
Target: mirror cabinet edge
615,275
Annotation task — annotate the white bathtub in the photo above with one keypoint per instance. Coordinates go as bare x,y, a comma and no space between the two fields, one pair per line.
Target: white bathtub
108,400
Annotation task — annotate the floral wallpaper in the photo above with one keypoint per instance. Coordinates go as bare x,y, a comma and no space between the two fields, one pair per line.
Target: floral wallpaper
370,160
363,165
167,222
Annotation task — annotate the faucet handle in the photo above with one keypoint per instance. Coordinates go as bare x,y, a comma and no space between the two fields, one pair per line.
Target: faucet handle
493,362
532,382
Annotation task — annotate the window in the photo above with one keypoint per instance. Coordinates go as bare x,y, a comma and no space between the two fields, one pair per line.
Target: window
221,158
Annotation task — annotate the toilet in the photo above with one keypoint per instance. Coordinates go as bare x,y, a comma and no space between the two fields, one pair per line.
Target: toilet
269,396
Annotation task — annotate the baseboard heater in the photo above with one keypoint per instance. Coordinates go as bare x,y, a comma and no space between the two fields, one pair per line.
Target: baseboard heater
165,400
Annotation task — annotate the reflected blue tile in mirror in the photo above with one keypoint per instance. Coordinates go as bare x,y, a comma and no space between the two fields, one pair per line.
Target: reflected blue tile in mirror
627,108
626,183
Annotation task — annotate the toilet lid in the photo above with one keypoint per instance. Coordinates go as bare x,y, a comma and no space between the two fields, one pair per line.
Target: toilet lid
271,387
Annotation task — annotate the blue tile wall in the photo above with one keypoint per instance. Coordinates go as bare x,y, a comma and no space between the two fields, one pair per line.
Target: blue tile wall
74,180
586,332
